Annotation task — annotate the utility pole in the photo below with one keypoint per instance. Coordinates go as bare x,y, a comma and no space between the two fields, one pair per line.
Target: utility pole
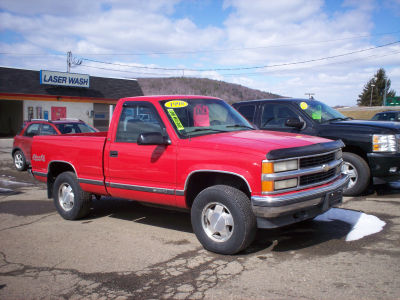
384,93
310,95
372,89
69,61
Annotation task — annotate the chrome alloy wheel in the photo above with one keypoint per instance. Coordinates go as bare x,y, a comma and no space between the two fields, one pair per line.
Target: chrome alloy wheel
19,161
66,197
349,169
217,222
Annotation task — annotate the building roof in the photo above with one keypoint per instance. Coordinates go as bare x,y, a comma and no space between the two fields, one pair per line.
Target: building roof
21,81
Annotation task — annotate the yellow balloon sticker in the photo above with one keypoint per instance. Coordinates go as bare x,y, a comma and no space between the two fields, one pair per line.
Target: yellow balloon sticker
176,120
303,105
176,104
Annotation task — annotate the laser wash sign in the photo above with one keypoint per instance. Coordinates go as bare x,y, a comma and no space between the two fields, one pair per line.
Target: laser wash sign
64,79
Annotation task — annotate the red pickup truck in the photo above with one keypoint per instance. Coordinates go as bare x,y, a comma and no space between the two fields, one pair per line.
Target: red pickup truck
197,153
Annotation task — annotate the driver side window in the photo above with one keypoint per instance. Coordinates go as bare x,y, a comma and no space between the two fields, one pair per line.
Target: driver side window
136,119
274,116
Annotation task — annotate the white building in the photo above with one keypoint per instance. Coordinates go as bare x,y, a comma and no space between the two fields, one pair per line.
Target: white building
27,94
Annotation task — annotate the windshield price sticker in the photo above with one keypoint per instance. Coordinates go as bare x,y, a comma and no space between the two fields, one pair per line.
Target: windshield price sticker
176,104
303,105
176,120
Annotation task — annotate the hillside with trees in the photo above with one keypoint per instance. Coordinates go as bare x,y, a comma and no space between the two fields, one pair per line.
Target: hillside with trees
201,86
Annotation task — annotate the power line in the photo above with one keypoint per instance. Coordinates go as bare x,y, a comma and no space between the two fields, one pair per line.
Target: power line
232,74
321,65
242,68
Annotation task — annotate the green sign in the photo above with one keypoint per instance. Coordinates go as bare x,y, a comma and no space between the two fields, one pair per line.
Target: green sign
392,101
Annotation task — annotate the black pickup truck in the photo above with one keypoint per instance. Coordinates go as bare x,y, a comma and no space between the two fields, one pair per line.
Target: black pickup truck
372,151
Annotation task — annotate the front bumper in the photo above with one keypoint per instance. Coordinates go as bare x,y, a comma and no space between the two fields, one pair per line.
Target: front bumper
385,165
276,211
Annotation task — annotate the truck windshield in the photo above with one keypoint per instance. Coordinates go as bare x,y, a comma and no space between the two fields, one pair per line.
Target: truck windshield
195,117
319,111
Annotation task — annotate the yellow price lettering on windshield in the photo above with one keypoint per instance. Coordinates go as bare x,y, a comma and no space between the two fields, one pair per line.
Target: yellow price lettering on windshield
176,120
176,104
303,105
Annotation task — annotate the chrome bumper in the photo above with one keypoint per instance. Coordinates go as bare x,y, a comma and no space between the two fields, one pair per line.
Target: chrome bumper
274,206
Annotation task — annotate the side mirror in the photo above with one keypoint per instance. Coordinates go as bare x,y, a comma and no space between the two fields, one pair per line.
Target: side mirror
295,122
152,138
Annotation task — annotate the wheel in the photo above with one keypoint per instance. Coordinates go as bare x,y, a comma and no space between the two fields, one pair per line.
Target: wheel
223,220
20,161
71,202
358,170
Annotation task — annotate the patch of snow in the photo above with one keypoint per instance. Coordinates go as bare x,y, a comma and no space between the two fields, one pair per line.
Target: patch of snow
14,183
5,191
362,224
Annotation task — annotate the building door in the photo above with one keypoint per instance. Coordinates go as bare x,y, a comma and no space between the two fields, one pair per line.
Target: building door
58,112
11,117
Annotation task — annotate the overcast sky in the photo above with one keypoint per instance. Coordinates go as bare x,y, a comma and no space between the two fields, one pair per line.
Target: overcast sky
287,47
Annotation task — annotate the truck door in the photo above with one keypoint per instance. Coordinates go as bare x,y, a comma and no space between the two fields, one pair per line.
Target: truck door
140,172
274,116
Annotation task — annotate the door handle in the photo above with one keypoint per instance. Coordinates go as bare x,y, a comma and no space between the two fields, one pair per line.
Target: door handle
113,153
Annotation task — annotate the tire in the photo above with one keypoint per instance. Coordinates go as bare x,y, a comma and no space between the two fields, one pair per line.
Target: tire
359,172
223,220
71,202
20,161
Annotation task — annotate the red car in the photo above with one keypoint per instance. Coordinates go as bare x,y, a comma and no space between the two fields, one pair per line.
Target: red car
21,152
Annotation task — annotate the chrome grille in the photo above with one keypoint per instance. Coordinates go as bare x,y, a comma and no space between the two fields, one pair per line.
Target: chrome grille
312,161
317,177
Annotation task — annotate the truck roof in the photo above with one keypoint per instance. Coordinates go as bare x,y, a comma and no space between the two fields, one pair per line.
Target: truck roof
156,98
274,99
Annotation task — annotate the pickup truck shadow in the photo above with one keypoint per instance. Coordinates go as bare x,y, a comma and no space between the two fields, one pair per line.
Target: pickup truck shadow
294,237
135,212
299,236
392,188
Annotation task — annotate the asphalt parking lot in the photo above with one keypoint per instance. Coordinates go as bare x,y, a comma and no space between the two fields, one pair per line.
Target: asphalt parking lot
125,250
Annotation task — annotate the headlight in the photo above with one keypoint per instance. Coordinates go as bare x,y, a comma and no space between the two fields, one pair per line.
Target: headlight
270,185
281,166
338,154
285,184
384,143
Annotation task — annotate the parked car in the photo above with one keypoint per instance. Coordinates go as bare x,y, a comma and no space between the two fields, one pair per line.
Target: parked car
21,151
199,154
372,151
393,115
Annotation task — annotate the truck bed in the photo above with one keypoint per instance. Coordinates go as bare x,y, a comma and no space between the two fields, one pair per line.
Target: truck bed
87,148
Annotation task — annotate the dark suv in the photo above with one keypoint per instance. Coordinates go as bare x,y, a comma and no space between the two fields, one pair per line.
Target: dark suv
372,151
387,116
21,151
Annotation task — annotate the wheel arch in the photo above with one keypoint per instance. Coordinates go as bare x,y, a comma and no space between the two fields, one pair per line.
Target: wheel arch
356,150
55,168
15,149
201,179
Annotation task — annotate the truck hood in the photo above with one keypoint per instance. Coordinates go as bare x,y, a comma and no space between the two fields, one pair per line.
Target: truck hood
377,124
260,141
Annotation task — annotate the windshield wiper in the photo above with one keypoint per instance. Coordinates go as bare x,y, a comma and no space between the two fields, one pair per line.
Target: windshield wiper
240,126
206,129
337,119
